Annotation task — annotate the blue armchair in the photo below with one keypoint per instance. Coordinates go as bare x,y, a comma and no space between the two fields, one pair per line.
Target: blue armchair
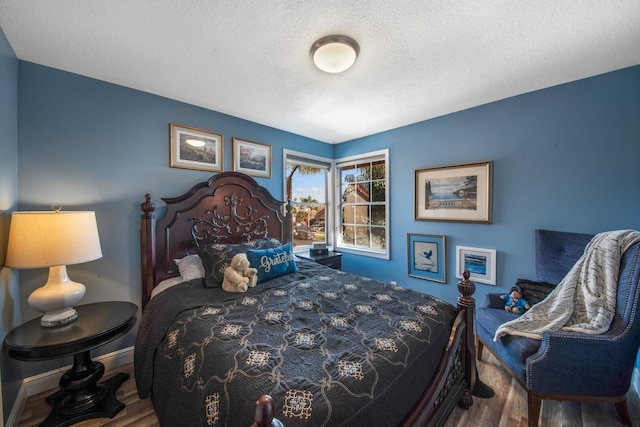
569,366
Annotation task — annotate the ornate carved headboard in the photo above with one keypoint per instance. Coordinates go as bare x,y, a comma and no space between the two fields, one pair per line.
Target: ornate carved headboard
228,208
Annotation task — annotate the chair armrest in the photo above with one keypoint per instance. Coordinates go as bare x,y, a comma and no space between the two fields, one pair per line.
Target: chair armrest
493,300
581,364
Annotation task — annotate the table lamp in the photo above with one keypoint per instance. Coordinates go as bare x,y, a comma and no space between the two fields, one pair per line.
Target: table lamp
54,239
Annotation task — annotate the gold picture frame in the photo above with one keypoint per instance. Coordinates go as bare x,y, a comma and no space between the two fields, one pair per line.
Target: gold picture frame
454,193
252,158
198,149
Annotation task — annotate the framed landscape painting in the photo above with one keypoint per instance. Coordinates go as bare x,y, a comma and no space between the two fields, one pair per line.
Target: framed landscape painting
427,256
252,158
454,193
198,149
480,263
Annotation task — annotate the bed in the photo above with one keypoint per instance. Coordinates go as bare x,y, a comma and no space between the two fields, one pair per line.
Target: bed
308,345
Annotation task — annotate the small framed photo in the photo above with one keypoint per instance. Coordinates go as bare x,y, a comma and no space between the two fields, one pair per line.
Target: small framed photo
480,263
427,257
454,193
252,158
198,149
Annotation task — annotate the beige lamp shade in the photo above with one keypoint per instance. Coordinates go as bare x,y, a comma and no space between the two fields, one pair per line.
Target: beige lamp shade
45,239
54,240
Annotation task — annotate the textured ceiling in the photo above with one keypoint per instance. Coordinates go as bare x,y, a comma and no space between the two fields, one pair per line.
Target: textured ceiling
250,58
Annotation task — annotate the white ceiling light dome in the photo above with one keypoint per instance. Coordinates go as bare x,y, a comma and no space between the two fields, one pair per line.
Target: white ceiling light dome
334,54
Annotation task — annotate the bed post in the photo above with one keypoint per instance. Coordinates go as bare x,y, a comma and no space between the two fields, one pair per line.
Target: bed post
147,247
468,303
263,413
288,223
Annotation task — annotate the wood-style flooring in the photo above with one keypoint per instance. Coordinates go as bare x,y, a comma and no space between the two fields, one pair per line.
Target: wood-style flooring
507,408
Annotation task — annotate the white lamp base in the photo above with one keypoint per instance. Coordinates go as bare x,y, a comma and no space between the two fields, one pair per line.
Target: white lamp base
52,319
57,298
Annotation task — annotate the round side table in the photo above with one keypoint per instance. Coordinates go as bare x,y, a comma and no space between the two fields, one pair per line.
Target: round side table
80,397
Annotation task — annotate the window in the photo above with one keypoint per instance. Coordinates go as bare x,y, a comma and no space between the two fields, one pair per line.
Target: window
307,180
362,208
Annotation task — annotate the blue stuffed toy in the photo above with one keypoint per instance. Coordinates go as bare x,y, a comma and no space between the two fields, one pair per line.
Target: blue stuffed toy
514,303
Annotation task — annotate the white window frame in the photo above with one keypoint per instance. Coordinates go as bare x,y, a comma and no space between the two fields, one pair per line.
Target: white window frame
353,160
314,161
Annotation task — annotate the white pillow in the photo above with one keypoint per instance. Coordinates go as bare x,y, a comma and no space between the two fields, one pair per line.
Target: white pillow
190,267
166,284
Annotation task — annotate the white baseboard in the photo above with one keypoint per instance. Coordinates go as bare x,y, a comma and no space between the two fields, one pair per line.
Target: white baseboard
49,380
18,406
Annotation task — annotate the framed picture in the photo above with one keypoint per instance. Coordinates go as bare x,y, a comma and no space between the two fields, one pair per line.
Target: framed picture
252,158
454,193
427,257
480,263
198,149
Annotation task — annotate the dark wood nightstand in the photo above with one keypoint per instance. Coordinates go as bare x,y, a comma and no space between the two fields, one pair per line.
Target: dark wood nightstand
80,396
332,259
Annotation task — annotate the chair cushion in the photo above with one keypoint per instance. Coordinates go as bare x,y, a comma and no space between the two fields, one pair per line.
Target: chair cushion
512,350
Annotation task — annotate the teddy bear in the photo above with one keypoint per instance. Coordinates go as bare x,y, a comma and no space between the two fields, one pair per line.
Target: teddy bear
513,301
239,275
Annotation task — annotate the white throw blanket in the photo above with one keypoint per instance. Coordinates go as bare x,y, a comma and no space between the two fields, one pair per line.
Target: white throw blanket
585,300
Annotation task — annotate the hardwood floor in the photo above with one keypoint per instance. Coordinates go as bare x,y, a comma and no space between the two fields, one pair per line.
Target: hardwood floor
507,408
136,412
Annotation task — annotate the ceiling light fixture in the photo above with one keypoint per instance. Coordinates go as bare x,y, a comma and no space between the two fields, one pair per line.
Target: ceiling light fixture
334,54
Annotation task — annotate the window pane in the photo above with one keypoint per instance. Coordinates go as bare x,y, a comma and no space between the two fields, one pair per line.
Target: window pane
348,174
306,187
362,236
378,238
363,190
364,172
378,215
362,214
349,193
348,214
307,184
378,170
348,235
378,191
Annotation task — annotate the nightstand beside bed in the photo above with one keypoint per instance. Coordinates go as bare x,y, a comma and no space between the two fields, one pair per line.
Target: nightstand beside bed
332,259
80,396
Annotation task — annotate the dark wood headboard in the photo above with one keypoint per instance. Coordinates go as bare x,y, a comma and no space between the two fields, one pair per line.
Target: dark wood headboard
228,208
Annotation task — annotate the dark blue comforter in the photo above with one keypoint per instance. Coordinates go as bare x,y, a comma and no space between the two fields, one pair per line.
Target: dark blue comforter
330,347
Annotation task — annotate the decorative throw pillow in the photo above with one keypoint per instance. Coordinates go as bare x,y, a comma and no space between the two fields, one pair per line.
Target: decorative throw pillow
272,262
267,242
190,267
216,257
533,291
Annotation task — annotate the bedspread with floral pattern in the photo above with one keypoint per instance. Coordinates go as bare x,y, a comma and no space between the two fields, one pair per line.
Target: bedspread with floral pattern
330,347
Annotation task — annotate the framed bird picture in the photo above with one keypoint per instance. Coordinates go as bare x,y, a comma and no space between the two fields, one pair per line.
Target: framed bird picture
427,257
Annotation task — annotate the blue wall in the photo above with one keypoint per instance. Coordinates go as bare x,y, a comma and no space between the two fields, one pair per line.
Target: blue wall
88,144
9,295
565,158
